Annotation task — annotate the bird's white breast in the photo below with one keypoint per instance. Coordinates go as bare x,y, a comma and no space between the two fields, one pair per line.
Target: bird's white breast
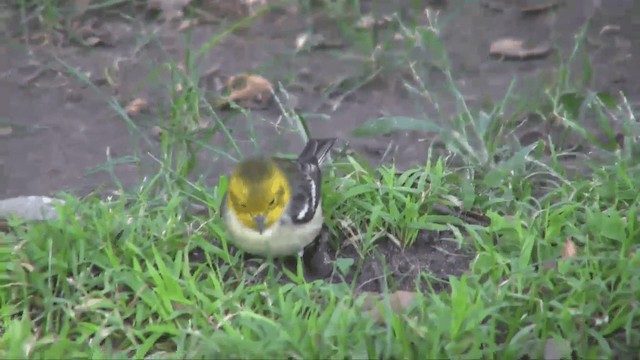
282,239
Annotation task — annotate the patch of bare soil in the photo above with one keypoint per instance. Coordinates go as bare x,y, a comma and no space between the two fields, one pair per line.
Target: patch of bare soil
427,264
62,126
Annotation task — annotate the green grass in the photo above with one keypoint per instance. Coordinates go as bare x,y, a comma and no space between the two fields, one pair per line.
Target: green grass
112,278
113,281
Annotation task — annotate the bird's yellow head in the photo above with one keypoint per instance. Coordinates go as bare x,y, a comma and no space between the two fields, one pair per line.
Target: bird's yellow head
258,193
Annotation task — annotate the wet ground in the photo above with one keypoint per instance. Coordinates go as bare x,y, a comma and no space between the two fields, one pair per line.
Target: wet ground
58,130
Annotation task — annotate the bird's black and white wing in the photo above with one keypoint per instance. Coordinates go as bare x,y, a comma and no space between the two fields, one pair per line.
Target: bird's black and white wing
306,180
307,192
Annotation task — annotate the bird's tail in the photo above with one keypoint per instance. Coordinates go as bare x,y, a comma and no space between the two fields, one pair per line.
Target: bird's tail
317,148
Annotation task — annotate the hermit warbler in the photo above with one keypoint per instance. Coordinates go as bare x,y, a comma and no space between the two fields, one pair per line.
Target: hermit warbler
273,206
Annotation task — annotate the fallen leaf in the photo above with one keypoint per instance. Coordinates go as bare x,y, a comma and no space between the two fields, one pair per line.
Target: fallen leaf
399,301
569,249
510,48
248,91
136,106
536,9
6,130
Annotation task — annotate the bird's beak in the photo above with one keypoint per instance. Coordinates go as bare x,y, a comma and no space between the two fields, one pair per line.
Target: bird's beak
260,222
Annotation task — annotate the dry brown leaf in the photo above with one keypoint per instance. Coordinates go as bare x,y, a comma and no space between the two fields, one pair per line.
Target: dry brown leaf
136,106
399,301
569,249
249,91
511,48
6,130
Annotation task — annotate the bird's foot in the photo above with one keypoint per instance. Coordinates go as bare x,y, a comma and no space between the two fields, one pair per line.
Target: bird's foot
315,255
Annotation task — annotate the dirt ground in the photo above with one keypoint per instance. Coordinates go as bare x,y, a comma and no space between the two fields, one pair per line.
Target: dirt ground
62,129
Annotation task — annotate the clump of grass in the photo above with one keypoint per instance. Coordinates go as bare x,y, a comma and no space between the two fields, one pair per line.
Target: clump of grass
384,203
113,280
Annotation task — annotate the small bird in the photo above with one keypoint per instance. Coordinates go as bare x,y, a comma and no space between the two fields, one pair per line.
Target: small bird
273,206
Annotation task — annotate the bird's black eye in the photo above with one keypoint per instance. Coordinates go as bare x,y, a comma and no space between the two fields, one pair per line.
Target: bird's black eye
272,202
244,206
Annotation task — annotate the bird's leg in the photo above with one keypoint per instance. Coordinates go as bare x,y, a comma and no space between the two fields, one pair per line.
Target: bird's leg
315,255
323,239
313,246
